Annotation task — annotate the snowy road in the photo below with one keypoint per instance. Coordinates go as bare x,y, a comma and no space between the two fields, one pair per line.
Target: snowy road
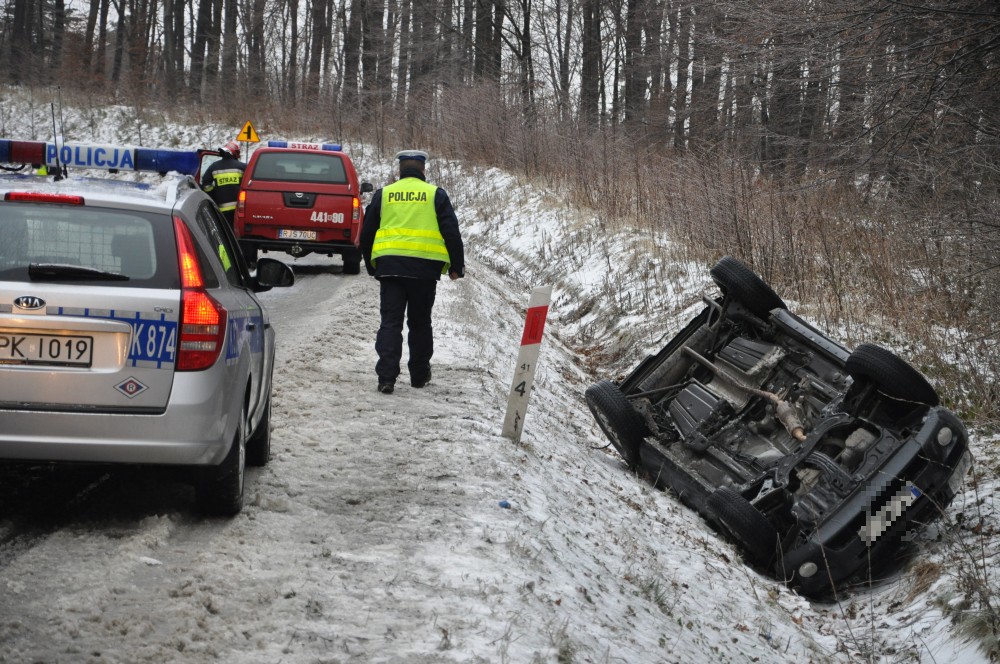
375,533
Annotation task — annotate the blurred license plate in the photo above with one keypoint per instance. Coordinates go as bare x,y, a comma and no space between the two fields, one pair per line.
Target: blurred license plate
46,349
287,234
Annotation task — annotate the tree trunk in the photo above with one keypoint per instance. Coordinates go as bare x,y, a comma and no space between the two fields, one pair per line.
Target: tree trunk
352,53
199,46
590,61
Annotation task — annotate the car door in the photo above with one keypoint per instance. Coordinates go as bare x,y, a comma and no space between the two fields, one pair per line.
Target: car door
205,159
249,330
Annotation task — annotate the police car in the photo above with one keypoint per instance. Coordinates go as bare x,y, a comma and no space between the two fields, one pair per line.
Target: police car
819,462
130,327
301,198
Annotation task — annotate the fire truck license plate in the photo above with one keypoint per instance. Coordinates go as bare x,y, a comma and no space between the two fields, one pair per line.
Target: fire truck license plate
287,234
45,349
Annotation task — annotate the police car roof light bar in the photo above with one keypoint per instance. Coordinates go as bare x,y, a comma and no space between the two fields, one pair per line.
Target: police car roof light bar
104,157
21,152
331,147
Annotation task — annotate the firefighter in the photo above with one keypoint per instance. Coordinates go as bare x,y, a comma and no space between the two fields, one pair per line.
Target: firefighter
409,238
222,179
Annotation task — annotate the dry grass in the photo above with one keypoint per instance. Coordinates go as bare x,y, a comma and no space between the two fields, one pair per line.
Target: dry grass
888,269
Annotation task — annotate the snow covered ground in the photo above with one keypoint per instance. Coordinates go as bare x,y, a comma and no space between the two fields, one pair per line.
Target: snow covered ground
377,534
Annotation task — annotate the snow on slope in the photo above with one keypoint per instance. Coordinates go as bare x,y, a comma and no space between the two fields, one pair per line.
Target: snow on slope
376,533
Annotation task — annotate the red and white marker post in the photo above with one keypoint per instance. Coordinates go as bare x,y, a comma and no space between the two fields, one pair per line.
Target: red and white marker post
527,358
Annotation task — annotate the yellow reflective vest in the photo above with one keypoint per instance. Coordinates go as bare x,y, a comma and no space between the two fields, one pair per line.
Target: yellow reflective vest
408,224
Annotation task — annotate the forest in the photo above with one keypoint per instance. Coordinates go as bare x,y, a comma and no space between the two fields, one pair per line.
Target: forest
847,150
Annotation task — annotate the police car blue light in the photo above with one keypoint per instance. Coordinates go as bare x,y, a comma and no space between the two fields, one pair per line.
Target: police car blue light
332,147
105,157
182,161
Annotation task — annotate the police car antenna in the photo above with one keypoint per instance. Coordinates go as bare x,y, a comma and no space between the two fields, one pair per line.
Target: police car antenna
62,122
55,138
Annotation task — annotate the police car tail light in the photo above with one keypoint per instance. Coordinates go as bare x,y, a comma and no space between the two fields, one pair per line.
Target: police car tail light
32,197
356,215
203,319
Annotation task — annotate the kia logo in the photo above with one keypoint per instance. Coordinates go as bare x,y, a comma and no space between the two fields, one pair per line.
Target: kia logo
30,302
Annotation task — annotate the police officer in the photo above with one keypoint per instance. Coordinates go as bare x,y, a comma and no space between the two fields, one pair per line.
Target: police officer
409,238
222,179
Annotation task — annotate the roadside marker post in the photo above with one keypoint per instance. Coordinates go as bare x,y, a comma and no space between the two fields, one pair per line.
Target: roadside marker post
527,358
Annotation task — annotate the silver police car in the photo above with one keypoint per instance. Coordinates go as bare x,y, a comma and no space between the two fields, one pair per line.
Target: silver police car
131,332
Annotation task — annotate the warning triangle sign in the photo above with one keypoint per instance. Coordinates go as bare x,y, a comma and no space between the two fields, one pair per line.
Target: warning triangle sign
249,134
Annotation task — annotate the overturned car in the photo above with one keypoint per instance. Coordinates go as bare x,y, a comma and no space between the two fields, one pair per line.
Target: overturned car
819,462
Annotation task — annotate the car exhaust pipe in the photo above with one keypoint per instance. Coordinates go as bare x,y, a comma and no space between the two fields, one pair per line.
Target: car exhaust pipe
785,411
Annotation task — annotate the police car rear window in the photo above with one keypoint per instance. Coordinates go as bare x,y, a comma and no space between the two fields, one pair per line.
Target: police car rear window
138,245
299,167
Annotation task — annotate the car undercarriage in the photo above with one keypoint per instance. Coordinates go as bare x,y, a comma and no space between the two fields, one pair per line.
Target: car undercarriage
816,460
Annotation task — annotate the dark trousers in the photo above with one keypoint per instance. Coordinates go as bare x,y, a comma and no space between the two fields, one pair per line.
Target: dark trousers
415,299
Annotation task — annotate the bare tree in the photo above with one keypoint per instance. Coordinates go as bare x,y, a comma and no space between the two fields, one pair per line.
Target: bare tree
590,62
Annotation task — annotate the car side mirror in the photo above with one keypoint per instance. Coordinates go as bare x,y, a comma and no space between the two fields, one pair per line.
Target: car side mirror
367,188
272,274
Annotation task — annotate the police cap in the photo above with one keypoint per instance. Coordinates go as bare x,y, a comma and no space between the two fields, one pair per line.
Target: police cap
418,155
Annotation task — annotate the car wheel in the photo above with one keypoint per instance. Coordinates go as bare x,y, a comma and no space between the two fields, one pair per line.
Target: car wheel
352,262
249,254
220,488
738,281
618,419
259,443
893,375
746,524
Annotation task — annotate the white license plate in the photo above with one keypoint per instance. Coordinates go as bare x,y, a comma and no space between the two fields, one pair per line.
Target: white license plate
46,349
287,234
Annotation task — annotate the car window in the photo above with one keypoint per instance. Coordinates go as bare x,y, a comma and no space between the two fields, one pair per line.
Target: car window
124,242
300,167
224,244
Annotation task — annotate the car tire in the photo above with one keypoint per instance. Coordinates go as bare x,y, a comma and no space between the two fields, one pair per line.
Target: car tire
249,254
738,281
220,488
893,376
352,262
618,419
746,524
259,442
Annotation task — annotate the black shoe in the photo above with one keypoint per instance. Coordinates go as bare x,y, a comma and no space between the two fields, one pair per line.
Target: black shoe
386,386
423,380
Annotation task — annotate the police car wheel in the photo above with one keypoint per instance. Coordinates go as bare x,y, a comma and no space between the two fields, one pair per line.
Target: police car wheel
220,488
259,443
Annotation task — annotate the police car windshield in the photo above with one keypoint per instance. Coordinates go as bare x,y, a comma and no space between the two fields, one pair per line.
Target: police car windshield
300,167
